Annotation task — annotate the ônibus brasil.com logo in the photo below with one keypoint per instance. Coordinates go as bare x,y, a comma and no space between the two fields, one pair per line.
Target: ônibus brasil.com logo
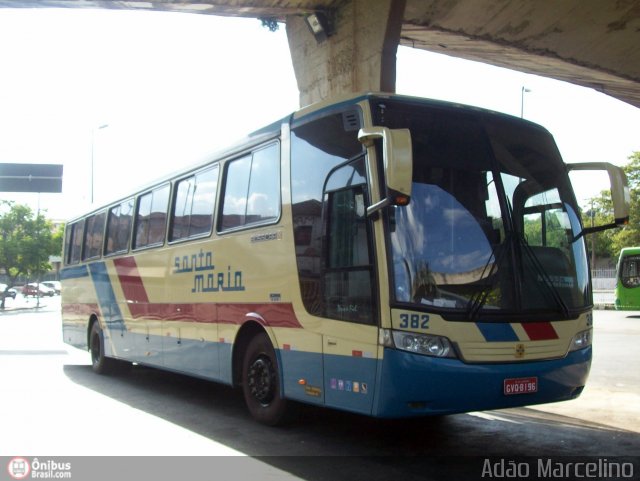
22,468
19,468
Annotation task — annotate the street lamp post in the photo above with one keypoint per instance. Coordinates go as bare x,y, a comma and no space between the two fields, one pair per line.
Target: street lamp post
522,92
93,138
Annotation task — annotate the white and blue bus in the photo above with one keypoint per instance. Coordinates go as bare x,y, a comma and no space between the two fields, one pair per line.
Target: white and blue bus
385,255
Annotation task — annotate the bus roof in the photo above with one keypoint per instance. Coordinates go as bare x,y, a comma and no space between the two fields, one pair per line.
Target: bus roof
629,251
273,129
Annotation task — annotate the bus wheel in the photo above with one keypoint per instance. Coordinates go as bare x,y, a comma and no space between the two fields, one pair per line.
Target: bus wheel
261,382
99,362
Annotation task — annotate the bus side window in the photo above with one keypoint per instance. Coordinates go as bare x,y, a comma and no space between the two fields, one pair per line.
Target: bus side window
252,189
93,236
119,227
194,205
66,250
74,242
151,217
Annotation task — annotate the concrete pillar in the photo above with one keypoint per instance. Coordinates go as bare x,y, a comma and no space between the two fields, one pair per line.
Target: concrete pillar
360,55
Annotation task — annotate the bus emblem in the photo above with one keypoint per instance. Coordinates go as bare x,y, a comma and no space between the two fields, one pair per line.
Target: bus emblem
520,351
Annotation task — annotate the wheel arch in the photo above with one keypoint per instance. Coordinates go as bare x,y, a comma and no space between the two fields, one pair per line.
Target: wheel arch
247,332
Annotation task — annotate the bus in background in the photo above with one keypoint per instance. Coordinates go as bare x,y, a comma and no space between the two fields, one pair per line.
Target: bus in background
628,279
380,254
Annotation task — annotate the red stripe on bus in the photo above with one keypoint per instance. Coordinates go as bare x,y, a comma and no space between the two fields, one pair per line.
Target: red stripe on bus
80,309
270,314
540,331
130,280
273,315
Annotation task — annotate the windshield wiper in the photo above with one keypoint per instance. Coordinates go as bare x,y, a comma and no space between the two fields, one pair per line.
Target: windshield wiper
478,300
542,273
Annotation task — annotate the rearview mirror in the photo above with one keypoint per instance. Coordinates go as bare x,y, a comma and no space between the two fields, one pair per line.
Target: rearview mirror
619,192
398,163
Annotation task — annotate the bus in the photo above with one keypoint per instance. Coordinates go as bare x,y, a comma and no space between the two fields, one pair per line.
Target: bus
380,254
628,279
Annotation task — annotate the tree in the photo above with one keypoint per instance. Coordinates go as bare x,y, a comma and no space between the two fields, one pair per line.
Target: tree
599,212
26,242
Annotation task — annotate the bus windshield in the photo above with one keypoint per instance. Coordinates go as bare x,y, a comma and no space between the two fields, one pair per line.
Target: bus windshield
630,271
492,226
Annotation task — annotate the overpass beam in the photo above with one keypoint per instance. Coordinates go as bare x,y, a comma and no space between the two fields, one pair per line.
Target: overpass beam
359,55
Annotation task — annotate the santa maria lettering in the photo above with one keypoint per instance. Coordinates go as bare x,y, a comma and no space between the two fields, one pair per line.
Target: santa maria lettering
206,278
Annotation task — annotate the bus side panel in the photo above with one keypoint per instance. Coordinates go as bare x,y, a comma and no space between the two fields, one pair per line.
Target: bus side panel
350,381
75,313
169,328
300,357
627,299
350,352
628,280
117,342
139,286
192,349
78,305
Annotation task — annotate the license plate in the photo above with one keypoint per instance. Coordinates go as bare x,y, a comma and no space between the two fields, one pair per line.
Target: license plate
523,385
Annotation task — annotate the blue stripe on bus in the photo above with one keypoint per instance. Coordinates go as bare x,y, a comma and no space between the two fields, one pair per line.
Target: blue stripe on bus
73,272
106,297
497,331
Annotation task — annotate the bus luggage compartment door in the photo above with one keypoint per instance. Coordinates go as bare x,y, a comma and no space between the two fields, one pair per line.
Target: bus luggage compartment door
350,365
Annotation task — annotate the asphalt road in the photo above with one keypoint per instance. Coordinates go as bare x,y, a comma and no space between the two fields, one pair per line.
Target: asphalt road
52,404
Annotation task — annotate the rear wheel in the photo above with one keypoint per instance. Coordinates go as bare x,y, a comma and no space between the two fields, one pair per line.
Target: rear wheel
261,384
99,362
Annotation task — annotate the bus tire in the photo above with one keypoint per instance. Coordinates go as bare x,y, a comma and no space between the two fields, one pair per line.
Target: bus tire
99,362
261,383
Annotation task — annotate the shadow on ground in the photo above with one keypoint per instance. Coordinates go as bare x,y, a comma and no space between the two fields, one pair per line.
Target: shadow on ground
336,445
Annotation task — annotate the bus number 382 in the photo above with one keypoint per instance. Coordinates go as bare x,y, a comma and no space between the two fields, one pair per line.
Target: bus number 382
414,321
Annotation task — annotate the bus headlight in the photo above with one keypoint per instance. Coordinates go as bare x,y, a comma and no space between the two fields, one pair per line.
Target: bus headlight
581,340
426,344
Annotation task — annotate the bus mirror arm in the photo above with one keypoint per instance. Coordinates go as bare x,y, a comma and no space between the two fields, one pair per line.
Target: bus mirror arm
373,209
598,228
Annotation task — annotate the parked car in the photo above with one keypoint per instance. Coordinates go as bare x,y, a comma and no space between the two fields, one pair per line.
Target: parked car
39,290
55,285
6,292
17,290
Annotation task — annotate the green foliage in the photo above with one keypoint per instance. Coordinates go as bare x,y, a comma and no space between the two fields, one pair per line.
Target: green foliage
26,241
270,23
555,234
632,169
630,235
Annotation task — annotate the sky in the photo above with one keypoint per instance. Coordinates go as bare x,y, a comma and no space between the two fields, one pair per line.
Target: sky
141,94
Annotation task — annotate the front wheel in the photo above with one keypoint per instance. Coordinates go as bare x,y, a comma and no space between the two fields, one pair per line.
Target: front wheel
261,384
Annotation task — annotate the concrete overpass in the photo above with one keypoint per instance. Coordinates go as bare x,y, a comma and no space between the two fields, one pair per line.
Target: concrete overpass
593,43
